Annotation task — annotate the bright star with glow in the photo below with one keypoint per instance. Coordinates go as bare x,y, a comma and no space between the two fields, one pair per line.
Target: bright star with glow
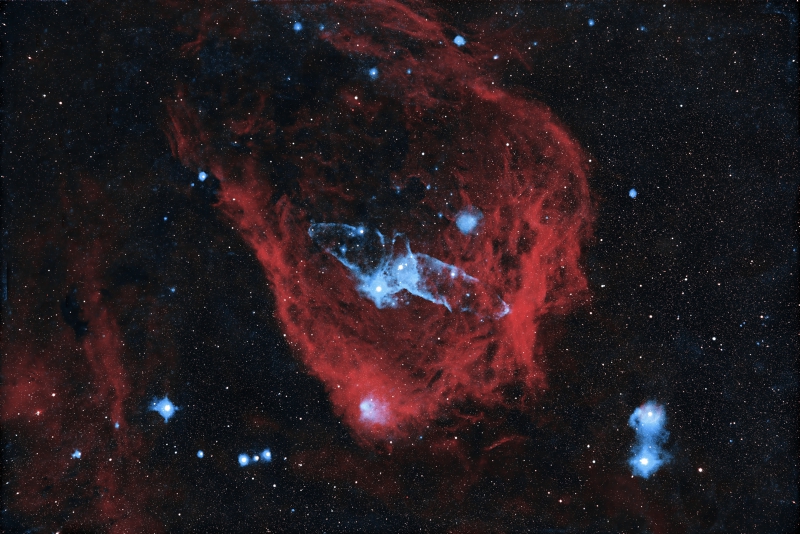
164,407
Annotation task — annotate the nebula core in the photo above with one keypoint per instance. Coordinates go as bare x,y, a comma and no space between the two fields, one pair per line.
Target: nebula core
379,120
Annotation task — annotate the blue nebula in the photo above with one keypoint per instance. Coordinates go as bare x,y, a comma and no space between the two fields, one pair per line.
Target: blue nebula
297,26
632,193
244,460
266,455
373,73
648,455
200,454
468,219
373,411
408,71
459,41
202,176
116,425
164,407
591,22
386,272
76,454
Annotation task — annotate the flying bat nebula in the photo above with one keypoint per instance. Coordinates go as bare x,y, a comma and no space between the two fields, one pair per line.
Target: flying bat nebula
415,222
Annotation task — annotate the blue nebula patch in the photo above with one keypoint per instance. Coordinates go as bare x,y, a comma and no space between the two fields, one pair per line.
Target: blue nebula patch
164,407
76,454
297,26
200,454
202,176
468,220
244,460
459,41
373,411
266,455
632,193
388,272
373,73
591,22
648,455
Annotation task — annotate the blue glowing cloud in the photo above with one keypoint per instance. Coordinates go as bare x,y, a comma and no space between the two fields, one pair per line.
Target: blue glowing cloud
76,454
648,421
373,411
382,271
164,407
468,219
459,41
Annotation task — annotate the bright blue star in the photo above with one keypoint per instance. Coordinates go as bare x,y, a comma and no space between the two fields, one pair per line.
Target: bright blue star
591,22
459,41
373,73
297,26
164,407
632,193
200,454
244,460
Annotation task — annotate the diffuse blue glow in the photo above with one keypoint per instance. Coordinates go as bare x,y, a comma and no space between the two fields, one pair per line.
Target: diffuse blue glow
373,73
383,270
76,454
648,421
297,26
459,41
468,219
373,411
202,176
200,454
164,407
244,460
591,22
632,193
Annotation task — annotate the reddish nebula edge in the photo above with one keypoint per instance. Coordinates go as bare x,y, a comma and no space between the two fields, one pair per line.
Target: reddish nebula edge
469,144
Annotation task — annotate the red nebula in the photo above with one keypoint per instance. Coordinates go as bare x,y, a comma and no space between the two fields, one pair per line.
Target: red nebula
72,390
402,152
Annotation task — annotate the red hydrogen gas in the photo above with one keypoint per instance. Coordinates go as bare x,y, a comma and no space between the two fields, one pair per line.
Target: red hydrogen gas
382,122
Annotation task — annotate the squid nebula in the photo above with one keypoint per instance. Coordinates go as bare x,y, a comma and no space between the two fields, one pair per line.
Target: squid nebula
415,221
